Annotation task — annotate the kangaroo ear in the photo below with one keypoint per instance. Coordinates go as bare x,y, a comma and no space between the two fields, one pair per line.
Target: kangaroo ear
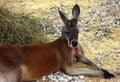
63,17
76,11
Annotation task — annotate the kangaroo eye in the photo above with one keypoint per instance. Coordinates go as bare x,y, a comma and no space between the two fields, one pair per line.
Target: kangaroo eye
67,32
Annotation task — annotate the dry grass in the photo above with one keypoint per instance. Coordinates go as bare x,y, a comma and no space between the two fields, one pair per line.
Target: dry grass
19,28
34,7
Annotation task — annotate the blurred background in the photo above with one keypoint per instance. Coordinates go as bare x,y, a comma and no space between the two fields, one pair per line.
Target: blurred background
38,21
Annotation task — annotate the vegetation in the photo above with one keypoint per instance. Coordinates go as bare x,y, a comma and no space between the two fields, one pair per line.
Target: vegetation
19,28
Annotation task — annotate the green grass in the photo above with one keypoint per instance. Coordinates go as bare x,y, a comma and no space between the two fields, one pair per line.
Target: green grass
19,28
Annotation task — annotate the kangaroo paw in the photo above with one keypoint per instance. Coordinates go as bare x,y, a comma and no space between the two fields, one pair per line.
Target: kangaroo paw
107,74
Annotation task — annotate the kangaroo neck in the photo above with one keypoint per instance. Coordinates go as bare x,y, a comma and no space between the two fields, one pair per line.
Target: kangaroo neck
62,42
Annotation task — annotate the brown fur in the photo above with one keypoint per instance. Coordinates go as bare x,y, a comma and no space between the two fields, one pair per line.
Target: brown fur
37,60
9,68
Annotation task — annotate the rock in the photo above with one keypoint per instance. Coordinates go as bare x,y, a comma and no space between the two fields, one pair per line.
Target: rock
81,76
103,14
61,77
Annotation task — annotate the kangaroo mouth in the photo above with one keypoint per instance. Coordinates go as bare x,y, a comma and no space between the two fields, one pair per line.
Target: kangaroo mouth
73,45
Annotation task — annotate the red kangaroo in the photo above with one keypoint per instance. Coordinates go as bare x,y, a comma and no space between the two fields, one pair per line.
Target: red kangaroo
32,61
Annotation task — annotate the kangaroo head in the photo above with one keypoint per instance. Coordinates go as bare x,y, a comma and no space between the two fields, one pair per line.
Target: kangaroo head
70,30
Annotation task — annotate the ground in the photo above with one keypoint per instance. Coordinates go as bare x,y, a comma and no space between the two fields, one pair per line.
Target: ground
101,47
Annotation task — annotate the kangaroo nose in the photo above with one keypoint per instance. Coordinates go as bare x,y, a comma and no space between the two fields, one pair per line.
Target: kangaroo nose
74,43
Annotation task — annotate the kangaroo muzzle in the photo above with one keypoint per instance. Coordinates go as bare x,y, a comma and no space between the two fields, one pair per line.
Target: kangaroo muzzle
74,43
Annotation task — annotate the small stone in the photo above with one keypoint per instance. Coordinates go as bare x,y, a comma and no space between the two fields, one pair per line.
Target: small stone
44,78
92,48
103,14
81,76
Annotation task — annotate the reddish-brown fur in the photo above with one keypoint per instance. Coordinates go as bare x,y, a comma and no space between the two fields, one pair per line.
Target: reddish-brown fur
37,60
9,65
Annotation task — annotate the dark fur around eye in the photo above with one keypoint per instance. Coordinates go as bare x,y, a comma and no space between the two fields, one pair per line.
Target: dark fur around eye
67,32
